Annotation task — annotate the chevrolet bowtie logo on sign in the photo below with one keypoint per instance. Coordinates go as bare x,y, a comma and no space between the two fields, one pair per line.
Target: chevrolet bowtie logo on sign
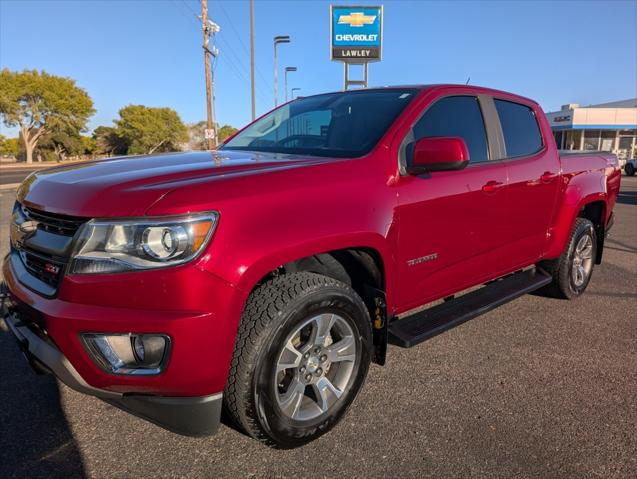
356,19
356,33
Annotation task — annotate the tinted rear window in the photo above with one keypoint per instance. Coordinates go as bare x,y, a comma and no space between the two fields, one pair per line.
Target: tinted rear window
520,129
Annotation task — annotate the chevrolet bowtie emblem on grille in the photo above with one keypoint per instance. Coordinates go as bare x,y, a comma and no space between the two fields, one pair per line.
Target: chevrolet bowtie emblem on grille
356,19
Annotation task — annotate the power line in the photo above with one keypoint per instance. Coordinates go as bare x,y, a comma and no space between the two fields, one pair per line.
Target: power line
245,49
192,16
237,61
237,68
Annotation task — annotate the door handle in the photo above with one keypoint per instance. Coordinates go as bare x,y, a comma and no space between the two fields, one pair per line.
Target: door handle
492,186
547,177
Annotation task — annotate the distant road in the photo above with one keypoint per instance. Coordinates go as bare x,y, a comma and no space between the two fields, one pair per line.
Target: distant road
14,175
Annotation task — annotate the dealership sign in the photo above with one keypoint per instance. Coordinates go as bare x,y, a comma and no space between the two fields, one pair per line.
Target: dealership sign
356,33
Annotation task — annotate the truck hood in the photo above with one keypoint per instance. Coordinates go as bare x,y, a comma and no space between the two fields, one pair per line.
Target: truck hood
129,186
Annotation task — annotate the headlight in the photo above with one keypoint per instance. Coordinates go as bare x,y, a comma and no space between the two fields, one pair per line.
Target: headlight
116,246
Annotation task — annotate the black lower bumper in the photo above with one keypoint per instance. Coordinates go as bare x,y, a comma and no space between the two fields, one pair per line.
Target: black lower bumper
190,416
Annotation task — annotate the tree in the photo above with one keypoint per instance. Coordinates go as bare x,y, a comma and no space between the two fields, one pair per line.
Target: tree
197,138
224,132
8,146
62,142
39,103
149,130
108,142
88,145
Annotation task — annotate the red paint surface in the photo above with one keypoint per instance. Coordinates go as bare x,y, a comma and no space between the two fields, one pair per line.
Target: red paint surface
276,208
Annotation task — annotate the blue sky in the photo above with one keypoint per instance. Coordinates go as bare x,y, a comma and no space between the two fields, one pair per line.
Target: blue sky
149,51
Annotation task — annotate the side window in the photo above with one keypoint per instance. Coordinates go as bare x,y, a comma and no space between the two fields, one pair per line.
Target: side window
456,116
521,132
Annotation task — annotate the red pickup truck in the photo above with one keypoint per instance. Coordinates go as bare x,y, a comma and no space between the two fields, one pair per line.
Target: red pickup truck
263,278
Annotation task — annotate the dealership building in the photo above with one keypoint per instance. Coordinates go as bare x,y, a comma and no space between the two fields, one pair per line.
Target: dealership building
605,127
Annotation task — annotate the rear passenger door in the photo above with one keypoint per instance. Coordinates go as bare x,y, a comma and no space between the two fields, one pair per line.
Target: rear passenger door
533,171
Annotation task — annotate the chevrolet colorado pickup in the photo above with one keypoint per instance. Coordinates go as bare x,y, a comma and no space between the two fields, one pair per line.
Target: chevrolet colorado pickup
264,277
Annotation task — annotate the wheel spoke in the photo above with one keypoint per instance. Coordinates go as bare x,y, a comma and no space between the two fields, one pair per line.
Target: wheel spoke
579,275
343,350
587,252
583,244
321,329
291,400
326,393
290,357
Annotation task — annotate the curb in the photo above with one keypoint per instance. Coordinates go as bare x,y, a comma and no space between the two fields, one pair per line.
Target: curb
9,186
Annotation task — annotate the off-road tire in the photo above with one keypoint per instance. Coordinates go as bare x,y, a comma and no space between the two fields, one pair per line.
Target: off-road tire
560,268
271,313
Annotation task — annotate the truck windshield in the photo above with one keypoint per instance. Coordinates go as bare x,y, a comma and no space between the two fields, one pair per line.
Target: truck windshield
347,124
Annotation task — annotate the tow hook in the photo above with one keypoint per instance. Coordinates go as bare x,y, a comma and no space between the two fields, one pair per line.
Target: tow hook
5,305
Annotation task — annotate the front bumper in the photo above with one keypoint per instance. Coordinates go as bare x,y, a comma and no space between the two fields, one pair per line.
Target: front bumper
196,309
192,416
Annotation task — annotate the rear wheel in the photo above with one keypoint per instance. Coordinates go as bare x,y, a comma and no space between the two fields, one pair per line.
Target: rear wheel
572,271
301,356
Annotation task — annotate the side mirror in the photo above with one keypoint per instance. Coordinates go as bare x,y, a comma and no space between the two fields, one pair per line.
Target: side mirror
438,154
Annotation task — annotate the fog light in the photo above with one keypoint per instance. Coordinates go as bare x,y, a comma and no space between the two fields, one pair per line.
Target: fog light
128,353
139,348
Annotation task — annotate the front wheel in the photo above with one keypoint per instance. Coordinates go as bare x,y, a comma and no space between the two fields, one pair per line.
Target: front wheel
572,271
301,356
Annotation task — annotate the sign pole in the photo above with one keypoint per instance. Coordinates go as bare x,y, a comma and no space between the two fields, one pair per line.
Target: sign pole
345,85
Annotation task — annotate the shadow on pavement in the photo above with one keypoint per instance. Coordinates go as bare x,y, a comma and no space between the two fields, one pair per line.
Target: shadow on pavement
35,439
623,246
627,197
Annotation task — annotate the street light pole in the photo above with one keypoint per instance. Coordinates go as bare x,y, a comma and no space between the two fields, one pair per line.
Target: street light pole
278,39
252,93
293,90
287,70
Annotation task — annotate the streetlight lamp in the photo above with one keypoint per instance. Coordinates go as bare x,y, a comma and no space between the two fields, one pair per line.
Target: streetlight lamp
287,70
293,90
278,39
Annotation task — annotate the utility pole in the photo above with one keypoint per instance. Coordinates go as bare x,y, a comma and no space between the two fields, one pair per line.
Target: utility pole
278,39
252,93
206,55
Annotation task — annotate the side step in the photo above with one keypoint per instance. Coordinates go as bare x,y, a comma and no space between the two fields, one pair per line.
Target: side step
426,324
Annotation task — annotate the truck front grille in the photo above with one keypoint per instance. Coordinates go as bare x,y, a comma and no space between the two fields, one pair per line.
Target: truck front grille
43,261
53,223
43,268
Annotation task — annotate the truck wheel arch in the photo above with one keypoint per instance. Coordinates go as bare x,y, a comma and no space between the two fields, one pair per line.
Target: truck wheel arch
595,212
591,207
362,268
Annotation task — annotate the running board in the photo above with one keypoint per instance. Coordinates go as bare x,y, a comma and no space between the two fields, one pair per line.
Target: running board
426,324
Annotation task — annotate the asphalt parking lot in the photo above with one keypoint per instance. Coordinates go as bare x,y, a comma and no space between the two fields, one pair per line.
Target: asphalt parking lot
538,388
